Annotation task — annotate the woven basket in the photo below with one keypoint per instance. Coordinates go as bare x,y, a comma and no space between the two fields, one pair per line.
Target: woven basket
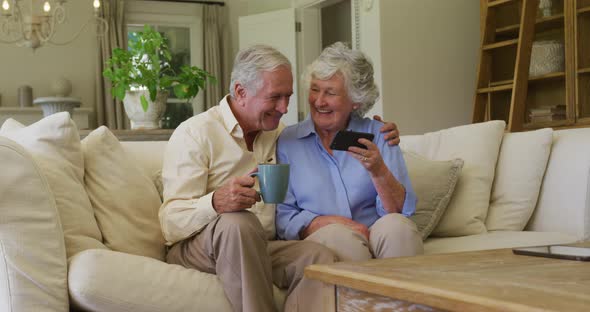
546,57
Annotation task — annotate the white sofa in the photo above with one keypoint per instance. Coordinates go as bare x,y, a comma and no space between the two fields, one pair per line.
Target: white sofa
105,280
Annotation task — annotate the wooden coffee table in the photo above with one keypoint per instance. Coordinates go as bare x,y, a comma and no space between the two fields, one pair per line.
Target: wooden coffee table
491,280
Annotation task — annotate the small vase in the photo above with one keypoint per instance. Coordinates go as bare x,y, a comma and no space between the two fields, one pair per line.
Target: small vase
25,96
545,7
140,119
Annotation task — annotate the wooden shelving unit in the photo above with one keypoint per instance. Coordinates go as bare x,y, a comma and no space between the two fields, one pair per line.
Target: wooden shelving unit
505,90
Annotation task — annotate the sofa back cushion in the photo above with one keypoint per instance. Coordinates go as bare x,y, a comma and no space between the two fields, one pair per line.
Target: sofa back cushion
33,268
124,198
478,145
434,182
519,173
564,202
54,143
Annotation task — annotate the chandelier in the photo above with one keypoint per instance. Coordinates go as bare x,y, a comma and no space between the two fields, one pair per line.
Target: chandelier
32,23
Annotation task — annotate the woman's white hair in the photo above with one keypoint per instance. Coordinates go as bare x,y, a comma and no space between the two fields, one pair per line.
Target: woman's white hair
251,62
355,68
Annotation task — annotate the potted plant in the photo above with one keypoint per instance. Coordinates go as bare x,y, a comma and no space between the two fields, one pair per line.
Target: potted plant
141,77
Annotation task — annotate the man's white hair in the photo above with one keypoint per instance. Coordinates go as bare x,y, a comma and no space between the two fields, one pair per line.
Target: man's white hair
251,62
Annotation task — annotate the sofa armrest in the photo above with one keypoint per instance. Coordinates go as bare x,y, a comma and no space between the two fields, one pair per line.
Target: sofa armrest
564,201
33,268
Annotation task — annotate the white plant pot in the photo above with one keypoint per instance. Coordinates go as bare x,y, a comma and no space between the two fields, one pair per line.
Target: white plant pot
140,119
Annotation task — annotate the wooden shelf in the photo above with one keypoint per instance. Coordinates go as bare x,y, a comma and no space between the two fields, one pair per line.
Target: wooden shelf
137,135
542,24
584,10
546,77
550,76
500,82
584,70
547,124
495,88
500,44
499,2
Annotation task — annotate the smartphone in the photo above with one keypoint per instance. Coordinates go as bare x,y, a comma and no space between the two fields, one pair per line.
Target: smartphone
556,251
344,139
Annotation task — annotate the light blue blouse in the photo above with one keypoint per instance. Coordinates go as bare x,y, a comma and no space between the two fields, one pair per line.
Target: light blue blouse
321,184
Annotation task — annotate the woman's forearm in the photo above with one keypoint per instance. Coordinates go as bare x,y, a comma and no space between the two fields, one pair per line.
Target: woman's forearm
390,191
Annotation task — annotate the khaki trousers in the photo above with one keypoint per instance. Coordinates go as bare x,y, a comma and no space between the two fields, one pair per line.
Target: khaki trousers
393,235
235,248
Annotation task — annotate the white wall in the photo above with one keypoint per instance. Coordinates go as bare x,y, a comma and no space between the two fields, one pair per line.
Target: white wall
429,54
76,61
425,55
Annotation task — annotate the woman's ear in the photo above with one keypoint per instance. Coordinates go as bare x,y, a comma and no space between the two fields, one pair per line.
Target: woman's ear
355,106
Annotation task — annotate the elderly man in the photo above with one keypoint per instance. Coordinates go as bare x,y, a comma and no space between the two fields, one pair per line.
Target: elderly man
212,217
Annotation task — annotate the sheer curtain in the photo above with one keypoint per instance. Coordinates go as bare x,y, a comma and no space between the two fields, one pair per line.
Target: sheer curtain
110,112
216,48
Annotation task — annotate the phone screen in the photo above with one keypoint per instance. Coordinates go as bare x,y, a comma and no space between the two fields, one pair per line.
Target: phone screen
344,139
556,251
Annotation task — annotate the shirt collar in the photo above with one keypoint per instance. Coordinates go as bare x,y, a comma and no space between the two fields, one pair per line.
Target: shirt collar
229,120
306,127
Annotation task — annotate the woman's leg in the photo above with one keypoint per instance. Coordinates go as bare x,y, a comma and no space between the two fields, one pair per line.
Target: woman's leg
347,244
394,235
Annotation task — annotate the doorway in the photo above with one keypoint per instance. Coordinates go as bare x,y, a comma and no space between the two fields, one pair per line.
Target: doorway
322,23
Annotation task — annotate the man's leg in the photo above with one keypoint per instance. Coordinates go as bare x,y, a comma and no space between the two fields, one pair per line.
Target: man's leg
394,235
348,245
289,259
234,247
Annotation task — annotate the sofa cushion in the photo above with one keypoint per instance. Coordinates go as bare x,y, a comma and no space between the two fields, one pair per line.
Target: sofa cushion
103,280
519,173
434,182
124,198
495,240
33,272
478,145
54,143
565,192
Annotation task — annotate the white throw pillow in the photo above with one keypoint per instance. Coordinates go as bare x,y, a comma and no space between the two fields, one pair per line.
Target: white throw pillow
434,182
478,145
54,143
33,265
519,173
124,198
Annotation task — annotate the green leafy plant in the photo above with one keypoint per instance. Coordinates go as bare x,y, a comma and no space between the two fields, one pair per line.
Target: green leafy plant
146,64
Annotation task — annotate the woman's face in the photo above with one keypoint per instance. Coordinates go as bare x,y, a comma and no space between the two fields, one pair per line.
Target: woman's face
329,104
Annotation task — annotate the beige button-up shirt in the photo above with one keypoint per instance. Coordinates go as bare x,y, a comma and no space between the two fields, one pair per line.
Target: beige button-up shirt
202,154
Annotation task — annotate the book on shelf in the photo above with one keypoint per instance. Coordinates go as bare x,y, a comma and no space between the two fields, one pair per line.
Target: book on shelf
547,113
547,110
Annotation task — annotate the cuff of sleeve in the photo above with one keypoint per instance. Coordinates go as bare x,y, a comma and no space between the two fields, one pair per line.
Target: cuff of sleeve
205,205
409,204
300,222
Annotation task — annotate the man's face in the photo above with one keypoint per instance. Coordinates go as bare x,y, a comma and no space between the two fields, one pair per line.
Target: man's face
269,104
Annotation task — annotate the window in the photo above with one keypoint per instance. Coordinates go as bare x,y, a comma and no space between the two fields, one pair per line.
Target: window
181,25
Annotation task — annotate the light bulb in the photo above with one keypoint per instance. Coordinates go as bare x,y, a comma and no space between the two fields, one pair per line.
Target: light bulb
96,4
46,7
5,5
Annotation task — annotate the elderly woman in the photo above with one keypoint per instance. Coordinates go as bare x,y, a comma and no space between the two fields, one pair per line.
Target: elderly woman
356,202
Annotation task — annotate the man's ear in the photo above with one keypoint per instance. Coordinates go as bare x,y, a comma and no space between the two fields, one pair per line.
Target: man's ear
240,92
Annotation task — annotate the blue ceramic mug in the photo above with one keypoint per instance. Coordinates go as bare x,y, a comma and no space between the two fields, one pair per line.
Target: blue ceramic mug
274,182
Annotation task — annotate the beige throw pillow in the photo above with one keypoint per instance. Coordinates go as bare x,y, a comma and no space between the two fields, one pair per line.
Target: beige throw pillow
519,173
434,182
124,198
478,145
54,143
